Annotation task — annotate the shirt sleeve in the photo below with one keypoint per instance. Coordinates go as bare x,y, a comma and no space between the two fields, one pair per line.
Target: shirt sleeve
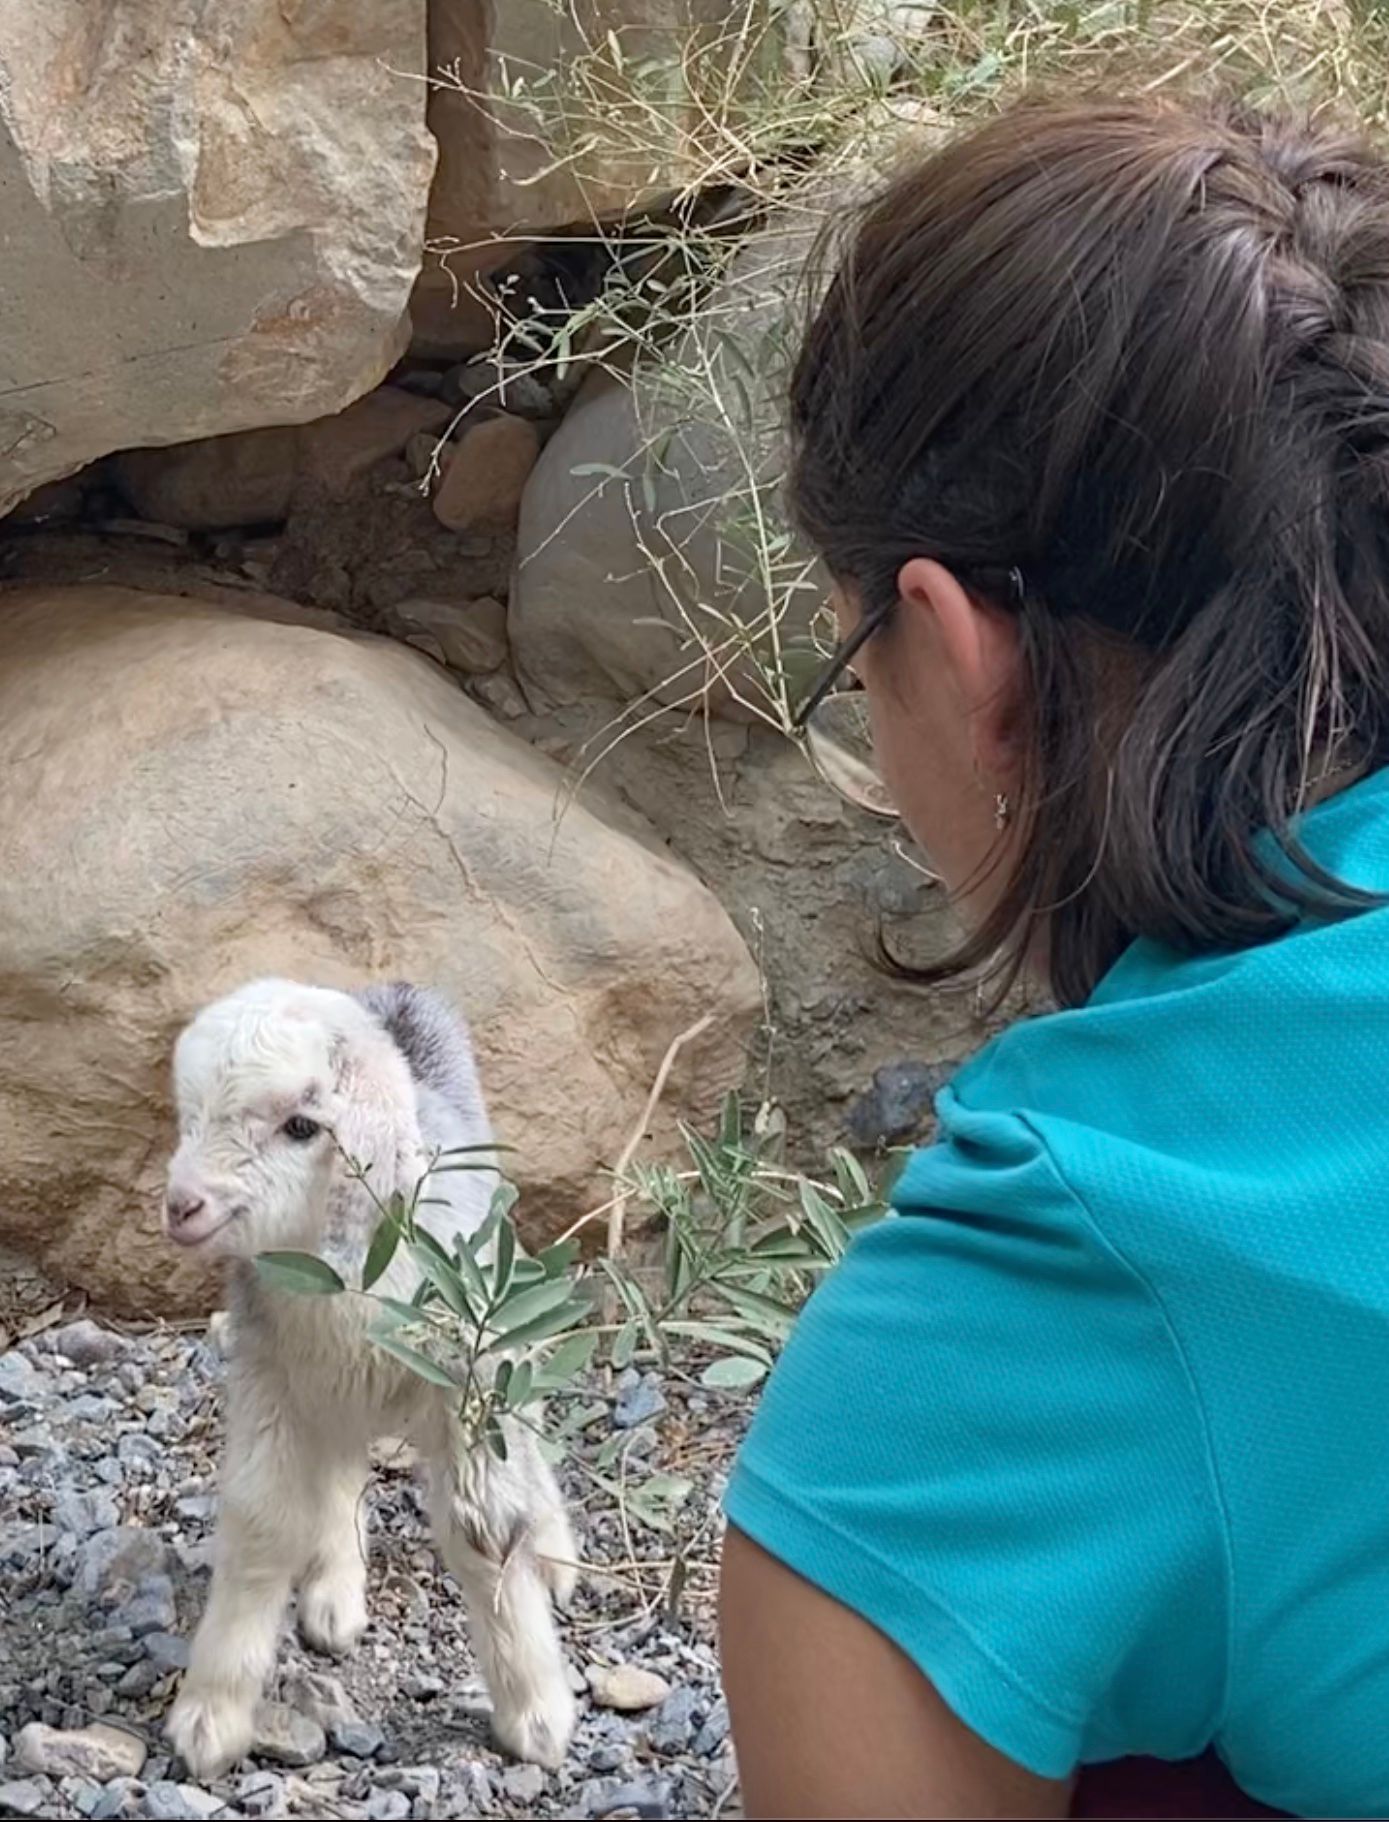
982,1437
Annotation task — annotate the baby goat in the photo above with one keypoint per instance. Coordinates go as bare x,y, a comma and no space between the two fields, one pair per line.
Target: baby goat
276,1086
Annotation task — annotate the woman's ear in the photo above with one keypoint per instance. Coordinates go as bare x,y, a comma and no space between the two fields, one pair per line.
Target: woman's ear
979,646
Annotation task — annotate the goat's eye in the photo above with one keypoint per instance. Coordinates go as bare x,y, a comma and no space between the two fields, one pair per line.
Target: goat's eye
300,1129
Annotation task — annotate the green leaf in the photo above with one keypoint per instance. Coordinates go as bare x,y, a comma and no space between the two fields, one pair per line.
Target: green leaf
461,1151
527,1271
301,1273
417,1362
731,1120
849,1174
559,1257
495,1439
624,1344
567,1358
766,1314
722,1337
519,1385
441,1272
540,1328
466,1262
398,1312
505,1258
522,1305
733,1373
504,1198
581,470
825,1223
381,1251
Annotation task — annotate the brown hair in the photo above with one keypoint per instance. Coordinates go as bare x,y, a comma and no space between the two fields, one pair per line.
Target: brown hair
1140,354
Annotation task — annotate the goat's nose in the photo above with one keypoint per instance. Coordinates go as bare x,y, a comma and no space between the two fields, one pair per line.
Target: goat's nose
181,1205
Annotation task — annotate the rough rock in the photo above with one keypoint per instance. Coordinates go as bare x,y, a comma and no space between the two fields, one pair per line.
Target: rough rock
486,475
470,635
88,1752
22,1797
502,170
165,1801
86,1343
221,206
398,830
115,1563
626,1687
631,557
287,1737
252,476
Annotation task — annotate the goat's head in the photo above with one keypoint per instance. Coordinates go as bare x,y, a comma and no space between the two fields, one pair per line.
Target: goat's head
274,1084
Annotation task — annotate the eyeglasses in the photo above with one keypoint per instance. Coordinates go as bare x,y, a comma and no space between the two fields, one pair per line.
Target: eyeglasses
833,722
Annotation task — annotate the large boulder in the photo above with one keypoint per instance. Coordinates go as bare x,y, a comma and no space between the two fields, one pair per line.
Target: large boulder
651,557
215,213
194,797
561,113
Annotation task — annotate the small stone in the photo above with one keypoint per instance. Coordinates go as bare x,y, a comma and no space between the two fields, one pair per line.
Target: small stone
22,1797
523,1783
19,1381
150,1609
626,1687
113,1801
608,1755
170,1802
166,1652
35,1443
388,1806
86,1344
138,1453
113,1563
713,1733
262,1793
489,384
469,636
287,1737
360,1739
98,1752
423,1686
486,475
897,1103
83,1795
644,1800
83,1513
680,1715
196,1506
90,1407
322,1698
139,1680
639,1398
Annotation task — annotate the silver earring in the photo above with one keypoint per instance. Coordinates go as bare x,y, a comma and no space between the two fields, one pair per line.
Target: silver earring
1001,810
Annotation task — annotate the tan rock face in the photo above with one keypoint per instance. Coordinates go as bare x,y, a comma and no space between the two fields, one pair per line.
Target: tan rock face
195,798
486,475
220,207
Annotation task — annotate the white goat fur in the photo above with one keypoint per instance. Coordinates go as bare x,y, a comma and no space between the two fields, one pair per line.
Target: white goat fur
388,1075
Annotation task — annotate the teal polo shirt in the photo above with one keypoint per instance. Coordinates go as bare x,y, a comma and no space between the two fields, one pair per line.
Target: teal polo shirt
1096,1427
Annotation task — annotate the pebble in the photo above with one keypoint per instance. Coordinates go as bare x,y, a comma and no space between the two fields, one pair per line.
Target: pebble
98,1752
261,1793
523,1783
114,1563
388,1806
361,1739
287,1737
139,1680
19,1382
639,1398
423,1686
166,1651
86,1344
151,1609
680,1714
169,1802
83,1513
22,1797
626,1687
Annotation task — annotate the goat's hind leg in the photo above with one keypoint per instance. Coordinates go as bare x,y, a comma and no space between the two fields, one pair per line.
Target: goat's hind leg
259,1540
485,1520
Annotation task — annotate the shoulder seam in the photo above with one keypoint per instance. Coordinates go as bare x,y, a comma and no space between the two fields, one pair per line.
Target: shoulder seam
1217,1488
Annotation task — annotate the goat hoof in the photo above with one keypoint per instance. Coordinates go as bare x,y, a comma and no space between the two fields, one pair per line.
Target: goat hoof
209,1733
332,1615
539,1733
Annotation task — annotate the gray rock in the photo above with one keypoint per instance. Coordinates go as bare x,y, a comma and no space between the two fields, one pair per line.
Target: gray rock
110,1471
23,1797
388,1806
897,1103
523,1783
639,1398
21,1546
166,1651
199,1506
644,1798
86,1344
138,1453
262,1793
608,1755
115,1800
287,1737
19,1380
501,388
169,1802
90,1407
423,1686
35,1444
321,1698
98,1752
83,1513
139,1680
360,1739
626,1687
150,1609
714,1732
680,1715
83,1795
112,1564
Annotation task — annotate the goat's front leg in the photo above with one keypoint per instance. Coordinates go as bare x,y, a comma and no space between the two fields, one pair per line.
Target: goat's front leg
485,1519
333,1587
260,1538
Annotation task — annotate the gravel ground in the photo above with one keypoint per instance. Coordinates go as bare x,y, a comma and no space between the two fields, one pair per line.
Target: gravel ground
108,1455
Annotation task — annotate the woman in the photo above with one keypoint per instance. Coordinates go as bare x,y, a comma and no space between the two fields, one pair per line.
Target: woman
1084,1458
